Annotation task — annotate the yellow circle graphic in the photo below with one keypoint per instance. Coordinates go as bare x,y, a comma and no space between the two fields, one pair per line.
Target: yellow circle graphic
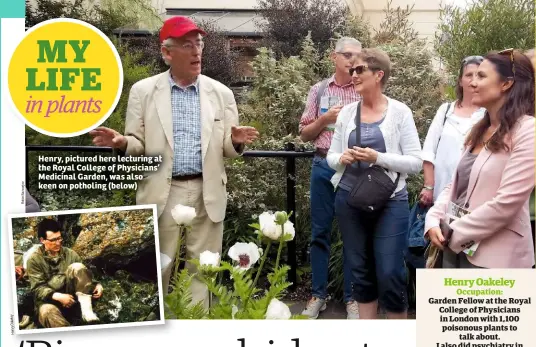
65,77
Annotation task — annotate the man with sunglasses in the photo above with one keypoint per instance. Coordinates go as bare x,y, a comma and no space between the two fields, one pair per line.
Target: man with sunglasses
190,120
62,286
324,102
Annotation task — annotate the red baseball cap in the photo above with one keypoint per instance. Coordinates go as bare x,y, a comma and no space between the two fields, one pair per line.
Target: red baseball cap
177,27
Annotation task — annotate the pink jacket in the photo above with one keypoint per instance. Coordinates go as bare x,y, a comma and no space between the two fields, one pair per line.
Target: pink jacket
498,198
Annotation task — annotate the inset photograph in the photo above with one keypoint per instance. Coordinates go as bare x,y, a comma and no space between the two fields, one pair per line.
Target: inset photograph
86,269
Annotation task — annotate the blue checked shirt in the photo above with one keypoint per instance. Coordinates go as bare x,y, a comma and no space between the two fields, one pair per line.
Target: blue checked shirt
186,115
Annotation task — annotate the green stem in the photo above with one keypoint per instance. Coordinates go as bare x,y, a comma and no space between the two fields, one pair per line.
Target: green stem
178,255
279,253
263,259
259,270
210,298
281,240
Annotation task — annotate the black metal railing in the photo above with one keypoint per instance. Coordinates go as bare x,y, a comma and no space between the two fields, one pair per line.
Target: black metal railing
289,154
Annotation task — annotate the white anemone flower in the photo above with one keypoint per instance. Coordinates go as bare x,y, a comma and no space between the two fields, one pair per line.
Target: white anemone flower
207,258
246,254
288,231
277,310
268,226
183,215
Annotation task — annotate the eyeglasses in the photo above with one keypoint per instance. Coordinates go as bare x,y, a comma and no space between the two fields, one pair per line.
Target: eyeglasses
510,51
472,58
56,239
347,55
359,69
189,46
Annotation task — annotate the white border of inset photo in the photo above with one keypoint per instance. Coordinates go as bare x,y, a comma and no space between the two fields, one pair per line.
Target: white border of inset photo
97,326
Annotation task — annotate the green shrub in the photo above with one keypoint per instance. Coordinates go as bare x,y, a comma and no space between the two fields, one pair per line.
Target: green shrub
106,15
485,25
256,185
414,82
287,22
278,94
396,28
358,28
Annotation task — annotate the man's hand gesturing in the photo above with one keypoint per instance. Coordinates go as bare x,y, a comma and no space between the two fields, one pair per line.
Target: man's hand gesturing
243,135
106,137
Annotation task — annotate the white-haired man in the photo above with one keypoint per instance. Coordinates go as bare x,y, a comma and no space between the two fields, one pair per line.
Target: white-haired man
192,121
325,100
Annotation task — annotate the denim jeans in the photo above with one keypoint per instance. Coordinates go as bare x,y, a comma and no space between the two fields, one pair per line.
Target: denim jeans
375,246
322,214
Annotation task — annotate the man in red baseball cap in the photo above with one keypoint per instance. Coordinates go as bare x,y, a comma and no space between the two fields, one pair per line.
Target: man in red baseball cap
190,120
178,27
179,36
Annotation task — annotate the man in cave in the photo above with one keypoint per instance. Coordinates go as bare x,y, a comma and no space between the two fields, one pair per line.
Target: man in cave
59,281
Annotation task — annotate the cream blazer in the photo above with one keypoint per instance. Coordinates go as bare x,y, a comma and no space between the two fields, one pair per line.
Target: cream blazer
149,130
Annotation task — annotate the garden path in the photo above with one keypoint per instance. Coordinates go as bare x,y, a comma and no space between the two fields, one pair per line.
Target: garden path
334,310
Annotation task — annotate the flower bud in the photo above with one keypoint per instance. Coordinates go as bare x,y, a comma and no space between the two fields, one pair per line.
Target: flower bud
281,217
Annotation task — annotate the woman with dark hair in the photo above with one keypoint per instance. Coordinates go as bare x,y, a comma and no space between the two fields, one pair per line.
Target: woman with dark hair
484,213
444,142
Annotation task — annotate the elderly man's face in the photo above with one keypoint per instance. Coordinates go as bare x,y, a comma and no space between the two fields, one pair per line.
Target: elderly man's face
344,59
184,55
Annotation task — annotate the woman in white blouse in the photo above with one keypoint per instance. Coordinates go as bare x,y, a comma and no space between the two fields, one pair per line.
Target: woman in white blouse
444,141
374,242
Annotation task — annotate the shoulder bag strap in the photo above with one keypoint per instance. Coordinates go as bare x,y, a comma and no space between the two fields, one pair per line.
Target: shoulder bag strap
358,134
320,93
442,127
358,128
358,125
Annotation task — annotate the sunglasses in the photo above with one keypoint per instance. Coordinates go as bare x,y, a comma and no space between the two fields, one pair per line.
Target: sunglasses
510,51
472,58
359,69
347,55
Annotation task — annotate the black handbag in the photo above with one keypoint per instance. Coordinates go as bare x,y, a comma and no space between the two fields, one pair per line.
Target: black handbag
373,187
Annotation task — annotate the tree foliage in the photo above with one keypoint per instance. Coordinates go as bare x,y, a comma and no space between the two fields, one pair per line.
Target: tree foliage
396,28
219,61
287,22
484,26
107,15
113,15
48,9
358,27
414,81
278,94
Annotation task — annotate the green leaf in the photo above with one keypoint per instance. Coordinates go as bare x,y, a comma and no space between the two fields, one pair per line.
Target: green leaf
255,226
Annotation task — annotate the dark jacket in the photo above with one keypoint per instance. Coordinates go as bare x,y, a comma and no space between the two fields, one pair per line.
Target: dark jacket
47,274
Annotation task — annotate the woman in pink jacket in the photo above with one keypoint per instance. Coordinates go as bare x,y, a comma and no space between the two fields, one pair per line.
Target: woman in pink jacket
484,212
